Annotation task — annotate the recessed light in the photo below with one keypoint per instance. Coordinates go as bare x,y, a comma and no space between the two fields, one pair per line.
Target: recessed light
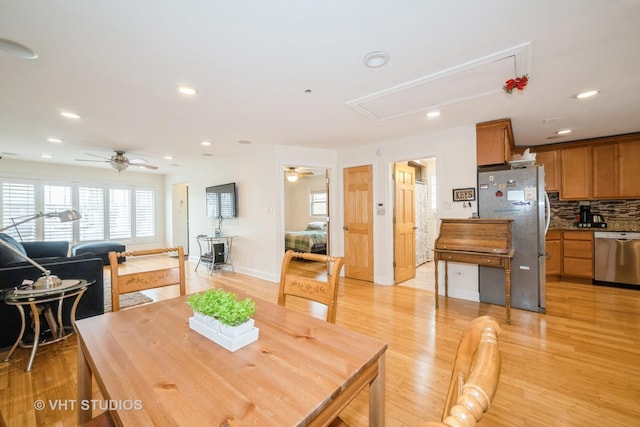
55,140
244,141
17,49
69,115
207,154
564,131
186,90
376,59
168,157
46,156
433,114
205,143
587,94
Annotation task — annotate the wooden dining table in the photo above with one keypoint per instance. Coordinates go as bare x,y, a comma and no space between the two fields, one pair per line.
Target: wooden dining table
152,369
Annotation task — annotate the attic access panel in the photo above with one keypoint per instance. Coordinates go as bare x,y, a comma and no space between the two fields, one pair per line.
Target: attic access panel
474,79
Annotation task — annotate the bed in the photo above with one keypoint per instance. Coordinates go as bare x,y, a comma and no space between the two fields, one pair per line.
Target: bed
313,239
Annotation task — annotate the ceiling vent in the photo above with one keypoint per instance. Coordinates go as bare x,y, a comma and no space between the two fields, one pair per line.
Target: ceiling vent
474,79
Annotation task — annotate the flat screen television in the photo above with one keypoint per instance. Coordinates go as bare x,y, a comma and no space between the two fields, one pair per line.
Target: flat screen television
222,201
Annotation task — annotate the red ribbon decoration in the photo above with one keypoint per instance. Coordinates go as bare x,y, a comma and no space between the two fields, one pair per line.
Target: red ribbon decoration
518,83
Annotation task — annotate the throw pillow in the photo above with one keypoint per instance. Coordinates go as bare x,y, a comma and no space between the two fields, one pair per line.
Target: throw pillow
6,255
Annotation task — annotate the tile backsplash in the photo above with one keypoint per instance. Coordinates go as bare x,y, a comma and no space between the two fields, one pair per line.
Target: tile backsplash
620,215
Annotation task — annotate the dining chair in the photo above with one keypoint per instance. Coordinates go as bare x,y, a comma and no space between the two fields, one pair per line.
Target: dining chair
124,283
324,292
475,375
102,420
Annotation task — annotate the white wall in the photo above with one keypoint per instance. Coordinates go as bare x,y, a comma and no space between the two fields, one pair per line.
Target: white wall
107,177
296,208
455,153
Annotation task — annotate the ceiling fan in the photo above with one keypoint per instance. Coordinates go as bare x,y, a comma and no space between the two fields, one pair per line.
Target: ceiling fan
120,162
292,173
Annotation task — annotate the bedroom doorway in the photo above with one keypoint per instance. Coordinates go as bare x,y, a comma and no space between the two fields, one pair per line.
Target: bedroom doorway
305,209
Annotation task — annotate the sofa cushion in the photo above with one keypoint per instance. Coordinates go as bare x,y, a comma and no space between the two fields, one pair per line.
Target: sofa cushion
6,255
42,249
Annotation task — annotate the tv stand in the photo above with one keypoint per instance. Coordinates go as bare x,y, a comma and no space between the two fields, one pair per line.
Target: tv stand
220,248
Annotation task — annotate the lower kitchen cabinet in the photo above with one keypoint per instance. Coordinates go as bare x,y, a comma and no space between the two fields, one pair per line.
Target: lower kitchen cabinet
554,253
577,254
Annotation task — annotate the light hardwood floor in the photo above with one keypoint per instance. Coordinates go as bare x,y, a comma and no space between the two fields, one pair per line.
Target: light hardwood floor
576,365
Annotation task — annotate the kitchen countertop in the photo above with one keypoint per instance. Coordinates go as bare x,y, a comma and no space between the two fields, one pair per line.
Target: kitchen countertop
630,226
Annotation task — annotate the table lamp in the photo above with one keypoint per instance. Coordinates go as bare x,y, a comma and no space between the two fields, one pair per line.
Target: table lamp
47,280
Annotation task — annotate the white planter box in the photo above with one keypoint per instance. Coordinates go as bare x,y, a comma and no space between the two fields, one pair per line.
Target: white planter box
249,335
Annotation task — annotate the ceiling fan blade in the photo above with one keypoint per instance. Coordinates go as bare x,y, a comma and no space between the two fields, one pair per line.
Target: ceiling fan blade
95,155
89,160
144,166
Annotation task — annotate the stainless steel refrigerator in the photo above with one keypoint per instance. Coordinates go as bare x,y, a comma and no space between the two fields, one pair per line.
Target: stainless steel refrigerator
518,194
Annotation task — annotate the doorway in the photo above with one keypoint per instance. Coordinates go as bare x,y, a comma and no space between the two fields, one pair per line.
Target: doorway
425,219
306,209
180,216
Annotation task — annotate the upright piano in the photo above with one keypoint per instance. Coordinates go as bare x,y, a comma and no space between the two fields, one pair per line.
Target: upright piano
479,241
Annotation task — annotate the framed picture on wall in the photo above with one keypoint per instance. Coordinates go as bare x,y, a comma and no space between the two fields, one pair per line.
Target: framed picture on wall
464,194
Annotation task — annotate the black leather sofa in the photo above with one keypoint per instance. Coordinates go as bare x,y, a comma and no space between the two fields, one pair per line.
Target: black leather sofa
52,256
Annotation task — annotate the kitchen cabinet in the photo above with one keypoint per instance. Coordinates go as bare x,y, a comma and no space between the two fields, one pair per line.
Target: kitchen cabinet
551,162
629,169
577,254
494,142
616,171
553,253
575,173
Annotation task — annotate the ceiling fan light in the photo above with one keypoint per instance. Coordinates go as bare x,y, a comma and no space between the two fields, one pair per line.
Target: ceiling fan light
292,178
119,166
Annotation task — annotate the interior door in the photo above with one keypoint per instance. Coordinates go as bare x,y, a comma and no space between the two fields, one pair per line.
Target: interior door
404,233
358,222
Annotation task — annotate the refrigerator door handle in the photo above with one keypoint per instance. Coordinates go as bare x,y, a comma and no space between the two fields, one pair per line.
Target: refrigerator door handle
547,207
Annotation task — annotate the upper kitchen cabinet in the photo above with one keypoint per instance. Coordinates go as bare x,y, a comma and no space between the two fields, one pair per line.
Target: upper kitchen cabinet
575,173
551,162
494,142
616,170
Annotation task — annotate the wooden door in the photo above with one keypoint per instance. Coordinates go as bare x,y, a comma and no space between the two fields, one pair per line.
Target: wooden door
404,233
358,222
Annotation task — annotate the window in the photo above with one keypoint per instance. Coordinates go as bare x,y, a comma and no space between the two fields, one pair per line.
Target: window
91,204
145,213
120,214
114,214
57,198
318,202
19,200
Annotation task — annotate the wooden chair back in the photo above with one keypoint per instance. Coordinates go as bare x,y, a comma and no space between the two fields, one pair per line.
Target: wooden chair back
324,292
124,283
475,375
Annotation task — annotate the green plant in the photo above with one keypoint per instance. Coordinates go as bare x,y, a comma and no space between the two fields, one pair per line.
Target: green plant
223,305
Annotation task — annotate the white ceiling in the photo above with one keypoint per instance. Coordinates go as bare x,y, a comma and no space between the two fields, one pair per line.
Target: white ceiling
118,62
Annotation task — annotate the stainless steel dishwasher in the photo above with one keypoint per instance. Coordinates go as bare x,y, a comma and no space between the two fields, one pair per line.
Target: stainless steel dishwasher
617,258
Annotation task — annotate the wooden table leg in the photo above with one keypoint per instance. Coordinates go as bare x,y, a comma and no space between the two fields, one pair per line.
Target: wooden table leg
436,282
446,279
507,291
84,386
376,396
